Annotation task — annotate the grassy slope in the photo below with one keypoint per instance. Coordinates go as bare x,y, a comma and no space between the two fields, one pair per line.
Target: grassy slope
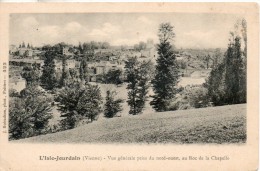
223,124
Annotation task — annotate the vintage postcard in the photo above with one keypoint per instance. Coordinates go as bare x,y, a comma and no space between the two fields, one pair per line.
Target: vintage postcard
129,86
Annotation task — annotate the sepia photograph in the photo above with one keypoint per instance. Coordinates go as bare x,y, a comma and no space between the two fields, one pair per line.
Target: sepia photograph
129,86
149,78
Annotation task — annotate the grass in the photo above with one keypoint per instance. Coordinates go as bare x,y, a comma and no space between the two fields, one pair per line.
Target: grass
224,124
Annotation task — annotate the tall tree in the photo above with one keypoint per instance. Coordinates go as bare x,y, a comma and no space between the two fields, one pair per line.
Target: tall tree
143,83
233,71
138,76
65,73
167,73
80,48
112,105
227,81
48,77
84,71
131,69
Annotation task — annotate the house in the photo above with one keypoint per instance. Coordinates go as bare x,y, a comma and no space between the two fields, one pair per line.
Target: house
17,84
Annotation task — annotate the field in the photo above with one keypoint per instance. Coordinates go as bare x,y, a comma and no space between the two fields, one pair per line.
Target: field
224,124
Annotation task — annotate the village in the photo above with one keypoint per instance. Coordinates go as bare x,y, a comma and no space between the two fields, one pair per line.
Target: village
100,61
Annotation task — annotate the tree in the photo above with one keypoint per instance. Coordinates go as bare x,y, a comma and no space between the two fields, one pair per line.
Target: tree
48,77
83,71
131,69
112,106
80,48
65,74
207,58
167,73
227,81
23,45
105,45
137,78
143,83
29,115
31,74
28,46
233,63
215,85
217,58
113,77
78,101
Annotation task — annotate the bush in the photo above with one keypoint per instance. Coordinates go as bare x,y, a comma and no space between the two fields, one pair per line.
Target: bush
190,97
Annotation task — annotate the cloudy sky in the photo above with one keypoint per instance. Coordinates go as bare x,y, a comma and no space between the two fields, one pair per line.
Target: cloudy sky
192,30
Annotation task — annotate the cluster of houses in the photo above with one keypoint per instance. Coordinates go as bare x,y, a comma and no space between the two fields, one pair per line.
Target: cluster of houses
103,61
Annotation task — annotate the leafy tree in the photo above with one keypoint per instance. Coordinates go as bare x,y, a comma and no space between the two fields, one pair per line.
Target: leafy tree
105,45
31,74
29,115
47,48
113,77
48,77
78,101
140,46
28,45
167,73
112,105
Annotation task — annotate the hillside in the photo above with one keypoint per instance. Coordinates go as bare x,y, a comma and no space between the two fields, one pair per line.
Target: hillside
224,124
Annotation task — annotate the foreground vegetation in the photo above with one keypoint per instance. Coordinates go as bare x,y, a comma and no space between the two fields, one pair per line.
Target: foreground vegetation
225,124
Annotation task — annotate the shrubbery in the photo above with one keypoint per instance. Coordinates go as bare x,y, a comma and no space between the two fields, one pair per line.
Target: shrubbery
190,97
29,114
